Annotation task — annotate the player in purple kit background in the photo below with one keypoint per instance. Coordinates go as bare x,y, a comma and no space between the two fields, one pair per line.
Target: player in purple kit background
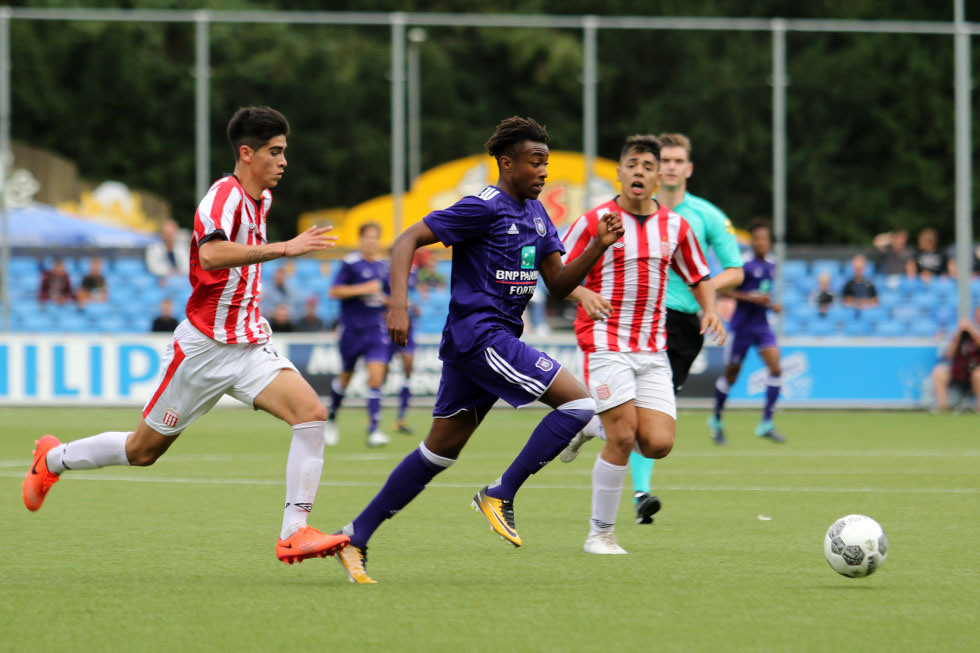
750,328
361,285
407,355
501,239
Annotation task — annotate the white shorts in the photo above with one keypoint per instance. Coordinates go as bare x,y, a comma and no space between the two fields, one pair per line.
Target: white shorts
615,377
197,371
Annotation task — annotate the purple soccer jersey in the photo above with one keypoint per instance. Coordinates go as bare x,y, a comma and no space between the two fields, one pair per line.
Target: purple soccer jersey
364,333
498,244
750,325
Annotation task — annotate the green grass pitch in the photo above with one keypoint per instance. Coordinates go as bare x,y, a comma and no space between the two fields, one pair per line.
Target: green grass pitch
180,556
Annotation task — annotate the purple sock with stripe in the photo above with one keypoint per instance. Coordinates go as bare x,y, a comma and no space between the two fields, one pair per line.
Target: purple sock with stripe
373,408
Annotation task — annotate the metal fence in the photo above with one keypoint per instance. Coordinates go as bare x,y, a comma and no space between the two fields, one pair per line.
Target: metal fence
399,23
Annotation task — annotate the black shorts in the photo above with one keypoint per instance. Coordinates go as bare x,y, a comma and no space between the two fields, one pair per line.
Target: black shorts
684,342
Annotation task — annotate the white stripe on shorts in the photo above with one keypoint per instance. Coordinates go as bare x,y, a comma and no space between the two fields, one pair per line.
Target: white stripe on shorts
504,369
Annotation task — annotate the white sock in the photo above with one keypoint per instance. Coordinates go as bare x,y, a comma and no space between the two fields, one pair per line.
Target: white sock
102,450
595,428
303,468
607,490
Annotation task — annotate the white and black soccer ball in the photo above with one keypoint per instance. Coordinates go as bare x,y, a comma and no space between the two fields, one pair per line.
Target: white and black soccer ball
855,546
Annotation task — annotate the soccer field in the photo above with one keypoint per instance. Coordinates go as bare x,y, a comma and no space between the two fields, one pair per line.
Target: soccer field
180,556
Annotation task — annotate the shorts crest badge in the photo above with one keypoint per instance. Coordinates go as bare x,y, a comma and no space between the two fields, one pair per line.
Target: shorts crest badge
544,364
602,392
170,417
539,226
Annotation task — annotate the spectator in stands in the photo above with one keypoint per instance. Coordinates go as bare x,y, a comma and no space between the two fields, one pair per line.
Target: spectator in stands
55,285
93,288
170,255
960,369
165,322
893,255
280,291
928,261
823,296
951,265
859,292
310,322
280,321
428,274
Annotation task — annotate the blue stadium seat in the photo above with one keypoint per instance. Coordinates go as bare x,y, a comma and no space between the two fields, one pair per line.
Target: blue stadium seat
905,313
858,327
793,270
925,301
909,287
829,265
129,267
822,327
890,329
889,299
793,326
924,328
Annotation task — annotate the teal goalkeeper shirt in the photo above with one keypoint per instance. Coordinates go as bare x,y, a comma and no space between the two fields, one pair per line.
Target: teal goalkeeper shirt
713,229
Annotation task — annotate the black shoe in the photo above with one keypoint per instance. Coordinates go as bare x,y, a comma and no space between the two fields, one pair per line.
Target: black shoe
647,506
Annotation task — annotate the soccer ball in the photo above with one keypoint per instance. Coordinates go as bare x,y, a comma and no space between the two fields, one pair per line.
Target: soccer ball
855,546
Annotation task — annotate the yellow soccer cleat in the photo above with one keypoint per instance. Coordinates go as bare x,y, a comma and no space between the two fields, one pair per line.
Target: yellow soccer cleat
500,514
354,560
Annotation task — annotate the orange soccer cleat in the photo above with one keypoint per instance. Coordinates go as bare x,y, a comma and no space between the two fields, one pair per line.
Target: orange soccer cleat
308,542
39,480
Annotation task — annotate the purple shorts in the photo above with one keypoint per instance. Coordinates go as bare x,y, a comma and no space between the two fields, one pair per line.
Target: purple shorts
371,344
508,370
744,336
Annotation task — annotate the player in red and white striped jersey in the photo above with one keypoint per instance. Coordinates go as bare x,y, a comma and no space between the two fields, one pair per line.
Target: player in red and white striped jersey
224,346
621,329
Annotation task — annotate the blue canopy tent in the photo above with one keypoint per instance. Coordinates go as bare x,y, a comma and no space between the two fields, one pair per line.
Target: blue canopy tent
41,225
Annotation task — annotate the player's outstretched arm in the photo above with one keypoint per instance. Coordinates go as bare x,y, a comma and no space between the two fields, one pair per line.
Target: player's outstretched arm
402,252
562,279
219,254
711,324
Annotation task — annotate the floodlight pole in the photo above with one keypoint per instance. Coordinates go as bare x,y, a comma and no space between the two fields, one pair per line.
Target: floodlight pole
779,155
202,132
416,36
4,162
398,20
590,26
964,171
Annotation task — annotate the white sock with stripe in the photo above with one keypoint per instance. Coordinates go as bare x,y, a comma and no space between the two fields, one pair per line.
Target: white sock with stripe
607,490
102,450
303,468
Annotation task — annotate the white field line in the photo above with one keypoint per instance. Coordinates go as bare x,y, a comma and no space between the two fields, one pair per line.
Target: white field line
81,476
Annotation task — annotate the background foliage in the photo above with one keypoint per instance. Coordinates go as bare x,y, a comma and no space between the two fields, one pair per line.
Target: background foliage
870,117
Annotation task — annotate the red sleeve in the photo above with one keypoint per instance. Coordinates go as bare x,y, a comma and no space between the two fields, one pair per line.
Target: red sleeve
578,236
688,260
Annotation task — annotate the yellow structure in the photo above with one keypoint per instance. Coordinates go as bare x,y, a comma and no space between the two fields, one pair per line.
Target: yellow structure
563,195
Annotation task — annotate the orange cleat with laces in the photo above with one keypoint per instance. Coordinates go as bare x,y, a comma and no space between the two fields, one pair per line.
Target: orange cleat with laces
39,480
308,542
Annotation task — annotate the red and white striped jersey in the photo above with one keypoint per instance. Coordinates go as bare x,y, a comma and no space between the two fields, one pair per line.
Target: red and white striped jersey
632,276
224,304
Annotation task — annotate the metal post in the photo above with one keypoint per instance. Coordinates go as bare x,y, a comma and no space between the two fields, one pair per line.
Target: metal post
397,117
416,36
964,172
590,25
779,152
4,162
202,133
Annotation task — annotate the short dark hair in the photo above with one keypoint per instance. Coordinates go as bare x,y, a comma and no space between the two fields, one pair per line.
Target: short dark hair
641,143
757,224
512,132
369,225
255,126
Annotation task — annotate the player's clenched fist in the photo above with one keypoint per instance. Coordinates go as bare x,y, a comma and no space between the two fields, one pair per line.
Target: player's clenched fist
311,240
610,228
398,325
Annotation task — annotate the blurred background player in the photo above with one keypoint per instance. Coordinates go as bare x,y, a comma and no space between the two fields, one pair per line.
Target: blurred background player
959,371
713,230
750,328
224,345
626,368
361,285
501,239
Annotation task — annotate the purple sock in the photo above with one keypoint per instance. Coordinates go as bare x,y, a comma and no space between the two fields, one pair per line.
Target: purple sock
404,397
550,436
373,408
336,397
721,395
404,483
772,394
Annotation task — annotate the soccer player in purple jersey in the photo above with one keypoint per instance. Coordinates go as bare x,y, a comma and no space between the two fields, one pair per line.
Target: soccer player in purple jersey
750,327
407,355
361,285
501,239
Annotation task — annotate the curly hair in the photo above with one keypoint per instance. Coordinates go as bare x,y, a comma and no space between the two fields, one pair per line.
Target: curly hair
512,132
